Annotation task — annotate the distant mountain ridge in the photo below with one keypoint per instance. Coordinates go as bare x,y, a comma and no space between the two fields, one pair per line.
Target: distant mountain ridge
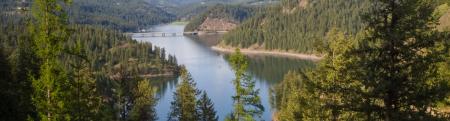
189,9
125,15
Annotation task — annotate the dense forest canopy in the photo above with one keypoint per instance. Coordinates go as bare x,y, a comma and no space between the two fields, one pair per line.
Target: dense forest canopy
91,71
186,10
295,25
299,25
126,15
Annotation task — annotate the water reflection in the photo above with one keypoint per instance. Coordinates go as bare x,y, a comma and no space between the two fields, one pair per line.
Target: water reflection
272,69
206,39
163,84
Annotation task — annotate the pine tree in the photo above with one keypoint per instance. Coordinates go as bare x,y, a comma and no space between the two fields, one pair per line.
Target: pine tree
184,107
401,54
86,101
50,87
25,64
247,103
324,92
9,107
144,102
206,109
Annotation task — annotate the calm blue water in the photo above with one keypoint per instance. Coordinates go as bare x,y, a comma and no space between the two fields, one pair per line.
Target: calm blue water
212,72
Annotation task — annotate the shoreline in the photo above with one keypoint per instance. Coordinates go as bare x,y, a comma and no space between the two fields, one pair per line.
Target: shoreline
267,52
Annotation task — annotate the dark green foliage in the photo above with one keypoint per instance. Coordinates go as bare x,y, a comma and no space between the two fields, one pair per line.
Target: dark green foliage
110,51
8,108
401,53
206,109
395,70
87,99
291,27
296,98
184,105
85,67
51,88
125,15
247,103
234,13
145,102
17,48
188,104
443,1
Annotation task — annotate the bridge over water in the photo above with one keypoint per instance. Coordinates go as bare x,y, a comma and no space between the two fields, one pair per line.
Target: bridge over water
160,34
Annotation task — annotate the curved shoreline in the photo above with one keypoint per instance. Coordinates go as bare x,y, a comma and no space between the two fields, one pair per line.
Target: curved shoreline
265,52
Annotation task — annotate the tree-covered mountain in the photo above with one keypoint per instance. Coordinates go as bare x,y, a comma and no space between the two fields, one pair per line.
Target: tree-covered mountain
190,9
220,18
126,15
300,25
204,2
295,25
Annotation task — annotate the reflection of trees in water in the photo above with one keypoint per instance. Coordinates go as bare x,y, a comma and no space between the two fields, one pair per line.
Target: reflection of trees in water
207,39
272,69
163,84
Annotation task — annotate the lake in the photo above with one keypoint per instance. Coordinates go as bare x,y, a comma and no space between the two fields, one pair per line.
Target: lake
212,72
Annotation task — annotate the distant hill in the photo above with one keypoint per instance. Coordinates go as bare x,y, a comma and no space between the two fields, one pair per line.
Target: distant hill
189,9
189,2
220,18
125,15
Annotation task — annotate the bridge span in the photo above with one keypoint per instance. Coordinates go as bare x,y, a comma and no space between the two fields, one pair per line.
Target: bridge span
160,34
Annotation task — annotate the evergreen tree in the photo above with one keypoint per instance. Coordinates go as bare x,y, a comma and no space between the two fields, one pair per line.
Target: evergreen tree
247,103
50,94
324,92
184,107
86,101
144,102
206,109
400,55
9,107
25,66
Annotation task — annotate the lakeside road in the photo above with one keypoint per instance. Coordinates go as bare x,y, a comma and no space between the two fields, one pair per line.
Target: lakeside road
264,52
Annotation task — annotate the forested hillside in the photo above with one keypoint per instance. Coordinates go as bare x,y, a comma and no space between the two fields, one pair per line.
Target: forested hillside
301,25
126,15
203,2
220,17
190,9
295,25
91,72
